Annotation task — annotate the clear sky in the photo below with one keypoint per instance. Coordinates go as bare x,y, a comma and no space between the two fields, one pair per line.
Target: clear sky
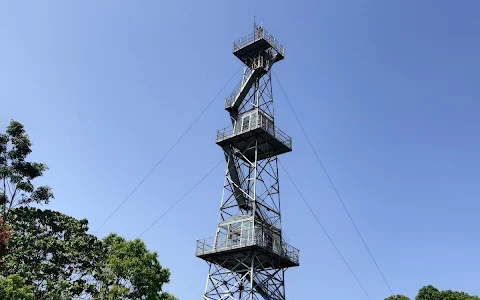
388,92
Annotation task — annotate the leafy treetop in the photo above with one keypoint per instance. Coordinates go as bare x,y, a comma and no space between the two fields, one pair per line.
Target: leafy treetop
397,297
17,174
429,292
55,255
13,288
131,271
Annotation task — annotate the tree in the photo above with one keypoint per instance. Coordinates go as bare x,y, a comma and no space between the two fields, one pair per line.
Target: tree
451,295
53,253
397,297
131,271
429,292
13,288
17,174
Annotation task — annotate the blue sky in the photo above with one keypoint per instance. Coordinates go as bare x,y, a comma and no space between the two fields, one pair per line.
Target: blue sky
387,91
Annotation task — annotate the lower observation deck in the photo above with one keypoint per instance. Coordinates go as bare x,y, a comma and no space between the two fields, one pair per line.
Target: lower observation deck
255,128
237,256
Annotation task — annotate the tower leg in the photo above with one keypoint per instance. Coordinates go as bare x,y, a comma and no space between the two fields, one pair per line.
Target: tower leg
248,281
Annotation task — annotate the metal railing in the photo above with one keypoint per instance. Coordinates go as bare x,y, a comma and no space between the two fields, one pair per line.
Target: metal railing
231,98
224,133
262,122
259,34
208,246
246,76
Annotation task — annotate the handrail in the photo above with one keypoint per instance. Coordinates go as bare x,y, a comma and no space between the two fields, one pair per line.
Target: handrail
259,34
231,98
207,246
229,132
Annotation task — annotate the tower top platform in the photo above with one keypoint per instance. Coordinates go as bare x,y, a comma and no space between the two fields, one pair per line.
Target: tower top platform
248,47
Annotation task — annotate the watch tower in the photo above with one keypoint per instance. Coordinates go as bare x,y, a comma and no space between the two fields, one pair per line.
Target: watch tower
247,256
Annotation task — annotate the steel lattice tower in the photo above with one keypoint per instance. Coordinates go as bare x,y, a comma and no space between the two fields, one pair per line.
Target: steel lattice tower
248,256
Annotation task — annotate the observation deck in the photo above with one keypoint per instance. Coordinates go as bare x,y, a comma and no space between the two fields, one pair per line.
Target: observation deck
251,127
248,47
232,248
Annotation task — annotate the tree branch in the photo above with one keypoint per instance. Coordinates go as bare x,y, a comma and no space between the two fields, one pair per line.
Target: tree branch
14,206
4,204
11,202
9,188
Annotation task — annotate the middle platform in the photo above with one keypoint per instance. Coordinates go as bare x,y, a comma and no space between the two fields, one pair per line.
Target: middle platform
253,132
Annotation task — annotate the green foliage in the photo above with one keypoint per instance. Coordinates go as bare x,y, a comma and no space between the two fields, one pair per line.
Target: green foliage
17,174
451,295
397,297
53,253
429,292
49,255
167,296
13,288
131,271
